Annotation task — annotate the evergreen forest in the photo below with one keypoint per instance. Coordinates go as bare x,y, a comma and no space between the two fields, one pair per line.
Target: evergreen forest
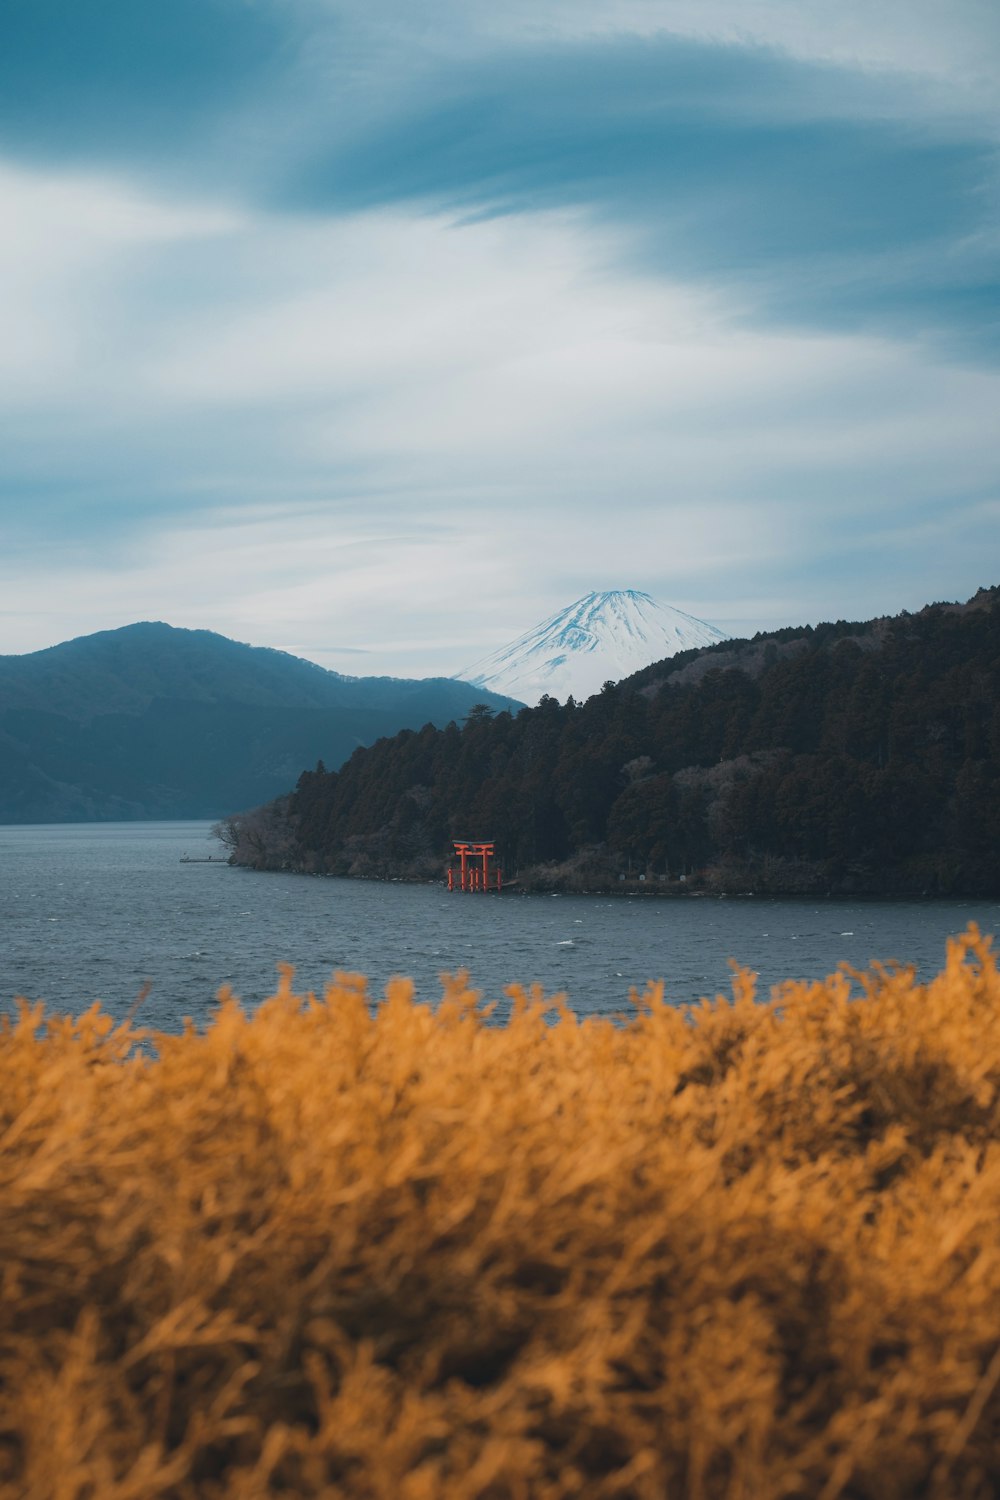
845,758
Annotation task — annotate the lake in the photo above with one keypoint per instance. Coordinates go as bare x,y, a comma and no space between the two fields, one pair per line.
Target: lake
96,911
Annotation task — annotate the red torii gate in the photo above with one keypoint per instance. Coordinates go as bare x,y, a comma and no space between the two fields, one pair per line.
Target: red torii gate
471,877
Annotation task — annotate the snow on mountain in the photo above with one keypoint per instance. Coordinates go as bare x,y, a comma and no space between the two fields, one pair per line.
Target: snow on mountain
602,636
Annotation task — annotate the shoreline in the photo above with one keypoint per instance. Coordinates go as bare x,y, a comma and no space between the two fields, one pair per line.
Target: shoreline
650,892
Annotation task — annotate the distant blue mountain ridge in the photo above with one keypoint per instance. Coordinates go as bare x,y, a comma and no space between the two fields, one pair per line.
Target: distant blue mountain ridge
152,721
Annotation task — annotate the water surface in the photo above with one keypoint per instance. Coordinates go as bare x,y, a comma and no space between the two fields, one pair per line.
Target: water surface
97,911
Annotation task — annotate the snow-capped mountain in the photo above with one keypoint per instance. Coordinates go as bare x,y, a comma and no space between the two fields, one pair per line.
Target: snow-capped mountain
600,637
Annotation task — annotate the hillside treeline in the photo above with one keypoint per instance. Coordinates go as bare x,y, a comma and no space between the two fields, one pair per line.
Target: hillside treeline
850,758
351,1253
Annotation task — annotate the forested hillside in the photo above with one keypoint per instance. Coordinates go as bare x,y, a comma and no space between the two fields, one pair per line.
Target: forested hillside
849,757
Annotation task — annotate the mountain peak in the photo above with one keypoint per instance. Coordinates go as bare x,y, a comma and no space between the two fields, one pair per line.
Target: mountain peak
603,635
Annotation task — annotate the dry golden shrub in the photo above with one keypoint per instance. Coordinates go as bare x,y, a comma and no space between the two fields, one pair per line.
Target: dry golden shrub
747,1250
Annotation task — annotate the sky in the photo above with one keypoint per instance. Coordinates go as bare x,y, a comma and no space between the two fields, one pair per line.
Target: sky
379,331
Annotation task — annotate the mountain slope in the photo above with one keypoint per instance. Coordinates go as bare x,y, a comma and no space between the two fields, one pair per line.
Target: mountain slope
150,721
599,638
125,670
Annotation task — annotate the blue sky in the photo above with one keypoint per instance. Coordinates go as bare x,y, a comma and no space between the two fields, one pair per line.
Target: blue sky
378,332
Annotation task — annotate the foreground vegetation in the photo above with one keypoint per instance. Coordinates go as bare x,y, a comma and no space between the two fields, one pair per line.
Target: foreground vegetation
849,759
748,1250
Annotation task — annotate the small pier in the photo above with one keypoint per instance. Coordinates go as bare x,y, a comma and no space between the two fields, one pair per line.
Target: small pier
476,870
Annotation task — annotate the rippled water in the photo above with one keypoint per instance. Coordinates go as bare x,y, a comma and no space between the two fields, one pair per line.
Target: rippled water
97,910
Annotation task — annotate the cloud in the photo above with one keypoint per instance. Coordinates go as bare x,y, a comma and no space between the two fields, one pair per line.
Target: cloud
402,329
415,435
838,168
954,46
794,182
69,239
126,82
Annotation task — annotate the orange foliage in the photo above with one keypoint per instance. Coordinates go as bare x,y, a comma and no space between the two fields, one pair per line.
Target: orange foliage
745,1251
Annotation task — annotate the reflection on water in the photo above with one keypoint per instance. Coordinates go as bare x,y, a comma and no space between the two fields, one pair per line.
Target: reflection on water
93,911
